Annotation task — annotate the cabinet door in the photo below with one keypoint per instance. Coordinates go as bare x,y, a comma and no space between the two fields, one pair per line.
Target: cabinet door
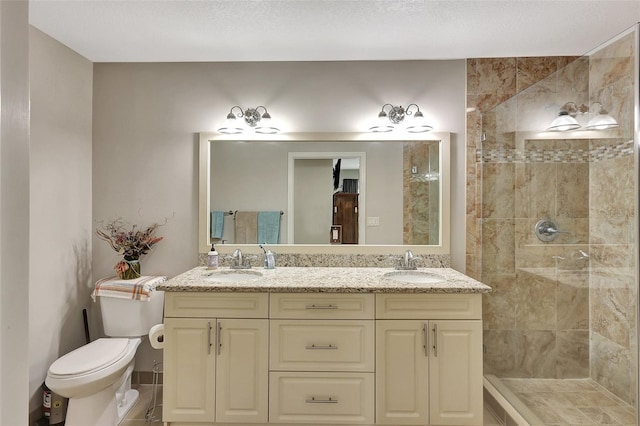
402,372
189,370
242,382
456,372
345,213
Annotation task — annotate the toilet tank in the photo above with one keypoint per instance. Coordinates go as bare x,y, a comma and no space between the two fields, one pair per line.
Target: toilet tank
131,318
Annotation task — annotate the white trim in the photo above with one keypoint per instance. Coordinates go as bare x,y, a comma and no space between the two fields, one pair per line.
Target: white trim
504,403
204,204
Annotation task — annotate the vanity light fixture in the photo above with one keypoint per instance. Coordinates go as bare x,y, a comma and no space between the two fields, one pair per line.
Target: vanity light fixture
388,120
259,122
566,119
601,120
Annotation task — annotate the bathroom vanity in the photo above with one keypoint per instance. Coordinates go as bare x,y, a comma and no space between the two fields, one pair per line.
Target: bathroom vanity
322,346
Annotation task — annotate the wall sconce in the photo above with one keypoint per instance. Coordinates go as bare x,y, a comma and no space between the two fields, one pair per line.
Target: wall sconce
566,119
260,123
387,120
601,120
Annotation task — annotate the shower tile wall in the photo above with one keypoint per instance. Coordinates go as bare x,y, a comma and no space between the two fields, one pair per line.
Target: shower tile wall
554,313
612,224
538,316
490,82
508,190
421,193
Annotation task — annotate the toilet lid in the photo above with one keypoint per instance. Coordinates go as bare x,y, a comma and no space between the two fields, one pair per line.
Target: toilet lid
93,356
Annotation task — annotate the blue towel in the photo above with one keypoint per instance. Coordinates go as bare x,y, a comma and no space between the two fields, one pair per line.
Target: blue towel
217,224
269,227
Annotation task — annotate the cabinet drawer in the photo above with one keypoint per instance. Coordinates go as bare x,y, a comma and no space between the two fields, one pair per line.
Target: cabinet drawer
336,398
429,306
322,306
315,345
216,305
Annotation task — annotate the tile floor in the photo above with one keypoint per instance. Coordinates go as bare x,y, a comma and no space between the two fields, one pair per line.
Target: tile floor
571,402
136,416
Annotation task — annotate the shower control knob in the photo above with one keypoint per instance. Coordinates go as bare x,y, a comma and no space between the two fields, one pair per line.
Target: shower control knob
547,230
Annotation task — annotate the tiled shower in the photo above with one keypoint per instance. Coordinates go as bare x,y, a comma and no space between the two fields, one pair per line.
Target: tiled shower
564,309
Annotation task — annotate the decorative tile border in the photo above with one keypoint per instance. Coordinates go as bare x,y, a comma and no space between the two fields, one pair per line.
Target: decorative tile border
609,152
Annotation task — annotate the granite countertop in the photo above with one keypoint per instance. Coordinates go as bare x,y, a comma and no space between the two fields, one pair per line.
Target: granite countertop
321,280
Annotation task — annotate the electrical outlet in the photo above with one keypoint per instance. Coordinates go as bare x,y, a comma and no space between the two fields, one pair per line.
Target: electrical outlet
373,221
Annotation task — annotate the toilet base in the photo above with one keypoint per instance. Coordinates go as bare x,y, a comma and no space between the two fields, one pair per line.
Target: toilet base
105,408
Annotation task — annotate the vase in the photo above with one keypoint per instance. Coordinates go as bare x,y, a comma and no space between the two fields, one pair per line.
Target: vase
133,270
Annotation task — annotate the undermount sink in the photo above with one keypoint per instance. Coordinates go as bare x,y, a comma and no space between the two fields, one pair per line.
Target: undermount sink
414,277
233,276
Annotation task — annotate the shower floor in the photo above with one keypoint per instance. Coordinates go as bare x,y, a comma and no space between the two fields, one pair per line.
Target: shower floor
567,402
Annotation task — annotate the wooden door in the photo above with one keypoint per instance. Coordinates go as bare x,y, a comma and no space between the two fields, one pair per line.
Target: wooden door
345,214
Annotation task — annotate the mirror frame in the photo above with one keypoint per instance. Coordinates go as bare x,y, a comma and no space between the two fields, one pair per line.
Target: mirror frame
204,200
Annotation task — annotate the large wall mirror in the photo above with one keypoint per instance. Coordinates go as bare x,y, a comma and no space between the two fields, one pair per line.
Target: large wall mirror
325,193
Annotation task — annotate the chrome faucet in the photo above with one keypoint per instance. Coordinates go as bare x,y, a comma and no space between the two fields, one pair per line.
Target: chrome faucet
408,258
407,262
238,261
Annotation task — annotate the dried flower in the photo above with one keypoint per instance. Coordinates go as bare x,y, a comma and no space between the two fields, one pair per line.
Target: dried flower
130,243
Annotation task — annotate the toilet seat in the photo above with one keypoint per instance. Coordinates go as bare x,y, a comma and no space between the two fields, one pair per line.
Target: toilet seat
97,355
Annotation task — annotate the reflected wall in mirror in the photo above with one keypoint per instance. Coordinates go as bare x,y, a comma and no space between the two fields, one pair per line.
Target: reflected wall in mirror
397,191
326,192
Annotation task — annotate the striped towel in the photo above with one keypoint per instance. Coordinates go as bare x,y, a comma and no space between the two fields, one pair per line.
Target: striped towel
136,289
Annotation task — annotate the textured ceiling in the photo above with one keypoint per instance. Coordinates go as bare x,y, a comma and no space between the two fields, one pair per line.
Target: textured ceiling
325,30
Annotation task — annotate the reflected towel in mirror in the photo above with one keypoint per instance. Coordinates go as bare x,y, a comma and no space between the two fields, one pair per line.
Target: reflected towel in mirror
269,227
246,227
217,224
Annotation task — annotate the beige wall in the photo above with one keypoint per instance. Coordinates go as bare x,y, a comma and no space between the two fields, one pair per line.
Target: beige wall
60,196
313,197
146,117
14,212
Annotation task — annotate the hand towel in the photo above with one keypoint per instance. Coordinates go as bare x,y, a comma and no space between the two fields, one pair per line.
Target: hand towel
136,289
217,224
246,228
269,227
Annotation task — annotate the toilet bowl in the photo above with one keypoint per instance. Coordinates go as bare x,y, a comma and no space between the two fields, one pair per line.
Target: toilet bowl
97,376
97,380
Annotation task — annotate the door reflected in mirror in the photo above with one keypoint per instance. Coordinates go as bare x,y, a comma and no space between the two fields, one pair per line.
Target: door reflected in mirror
326,188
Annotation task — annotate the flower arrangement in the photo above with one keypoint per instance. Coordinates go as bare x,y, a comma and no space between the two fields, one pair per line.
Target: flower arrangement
131,243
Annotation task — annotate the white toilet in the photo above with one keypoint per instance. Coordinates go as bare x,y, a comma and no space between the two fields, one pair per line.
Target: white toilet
97,377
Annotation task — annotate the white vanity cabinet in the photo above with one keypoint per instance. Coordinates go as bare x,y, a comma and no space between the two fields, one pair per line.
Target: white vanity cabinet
323,358
215,358
429,359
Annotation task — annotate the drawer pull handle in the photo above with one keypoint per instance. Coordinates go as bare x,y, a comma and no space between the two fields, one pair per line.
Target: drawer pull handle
329,400
425,340
321,307
321,347
435,339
